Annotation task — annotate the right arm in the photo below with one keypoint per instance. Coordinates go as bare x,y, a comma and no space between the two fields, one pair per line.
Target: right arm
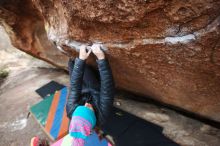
106,95
107,90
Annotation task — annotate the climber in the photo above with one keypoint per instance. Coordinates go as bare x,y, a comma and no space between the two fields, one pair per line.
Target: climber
90,98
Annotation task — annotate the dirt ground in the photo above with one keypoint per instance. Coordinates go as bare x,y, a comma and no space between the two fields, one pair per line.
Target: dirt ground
17,96
26,74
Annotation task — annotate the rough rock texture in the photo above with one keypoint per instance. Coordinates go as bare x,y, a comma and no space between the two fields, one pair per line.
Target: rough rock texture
166,49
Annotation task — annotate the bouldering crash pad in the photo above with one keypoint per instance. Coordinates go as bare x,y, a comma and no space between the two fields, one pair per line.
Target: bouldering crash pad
129,130
125,128
51,114
49,88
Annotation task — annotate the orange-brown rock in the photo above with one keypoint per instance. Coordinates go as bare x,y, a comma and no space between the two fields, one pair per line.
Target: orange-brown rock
166,49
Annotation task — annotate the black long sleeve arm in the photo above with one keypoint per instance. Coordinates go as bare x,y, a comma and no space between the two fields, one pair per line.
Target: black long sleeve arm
75,86
107,90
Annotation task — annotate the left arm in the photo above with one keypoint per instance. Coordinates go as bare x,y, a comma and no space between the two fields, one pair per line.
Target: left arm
75,86
76,80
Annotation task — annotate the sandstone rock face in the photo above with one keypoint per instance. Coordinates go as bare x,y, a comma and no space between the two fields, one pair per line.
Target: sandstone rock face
166,49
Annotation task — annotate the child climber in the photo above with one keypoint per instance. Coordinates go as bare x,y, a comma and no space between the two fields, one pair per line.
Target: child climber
90,99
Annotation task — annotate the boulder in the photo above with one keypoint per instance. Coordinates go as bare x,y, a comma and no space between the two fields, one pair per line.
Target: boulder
165,50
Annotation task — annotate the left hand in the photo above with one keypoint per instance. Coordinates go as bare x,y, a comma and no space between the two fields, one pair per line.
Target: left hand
83,54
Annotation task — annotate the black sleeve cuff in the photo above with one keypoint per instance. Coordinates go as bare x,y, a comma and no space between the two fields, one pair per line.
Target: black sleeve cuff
79,64
102,63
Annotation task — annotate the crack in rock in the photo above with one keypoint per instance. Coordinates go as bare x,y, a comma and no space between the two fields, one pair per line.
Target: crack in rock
171,40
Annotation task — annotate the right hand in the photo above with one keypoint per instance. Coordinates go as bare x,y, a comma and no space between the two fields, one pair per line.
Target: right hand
96,49
83,55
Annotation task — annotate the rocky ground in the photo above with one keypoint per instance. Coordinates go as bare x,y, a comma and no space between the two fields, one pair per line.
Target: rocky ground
26,74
